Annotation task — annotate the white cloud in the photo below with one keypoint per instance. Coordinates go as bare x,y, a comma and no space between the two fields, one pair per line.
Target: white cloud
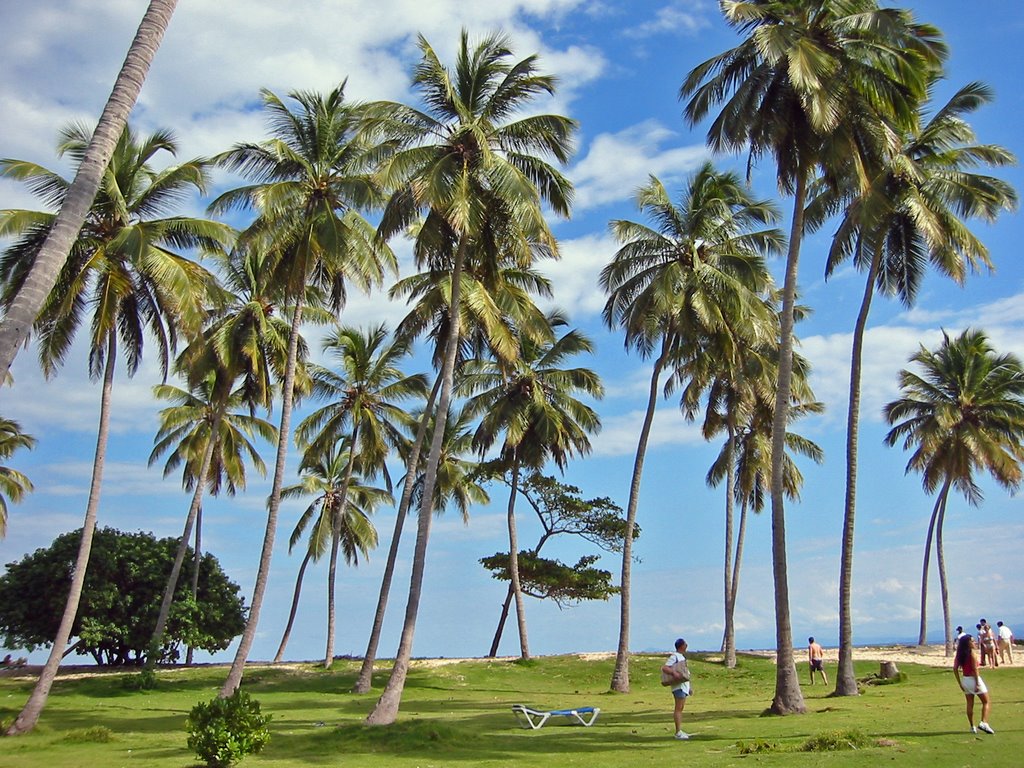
680,17
619,434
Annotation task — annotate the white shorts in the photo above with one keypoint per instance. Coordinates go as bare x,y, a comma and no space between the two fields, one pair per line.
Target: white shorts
973,685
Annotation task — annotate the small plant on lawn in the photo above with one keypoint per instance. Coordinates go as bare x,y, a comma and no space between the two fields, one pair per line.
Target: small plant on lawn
223,731
756,746
831,741
98,734
145,680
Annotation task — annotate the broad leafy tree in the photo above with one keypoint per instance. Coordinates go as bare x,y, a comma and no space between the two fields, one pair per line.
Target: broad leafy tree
13,484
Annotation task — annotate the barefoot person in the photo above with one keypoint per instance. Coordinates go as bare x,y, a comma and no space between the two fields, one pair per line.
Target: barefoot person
816,658
965,667
680,690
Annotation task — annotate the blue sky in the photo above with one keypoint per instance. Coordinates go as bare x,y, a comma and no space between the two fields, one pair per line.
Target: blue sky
620,66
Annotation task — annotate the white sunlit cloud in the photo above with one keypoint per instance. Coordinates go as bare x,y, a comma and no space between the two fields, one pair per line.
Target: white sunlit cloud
684,16
618,436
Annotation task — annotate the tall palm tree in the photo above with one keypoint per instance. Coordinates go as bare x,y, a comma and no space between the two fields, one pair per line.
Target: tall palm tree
365,395
339,514
311,179
77,203
796,88
122,270
532,405
13,484
698,269
480,172
963,413
911,214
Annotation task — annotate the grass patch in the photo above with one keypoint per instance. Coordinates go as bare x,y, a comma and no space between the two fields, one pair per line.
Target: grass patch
835,741
98,734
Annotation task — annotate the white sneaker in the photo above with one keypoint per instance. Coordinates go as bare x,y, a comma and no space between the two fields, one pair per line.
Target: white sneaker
973,729
985,727
682,735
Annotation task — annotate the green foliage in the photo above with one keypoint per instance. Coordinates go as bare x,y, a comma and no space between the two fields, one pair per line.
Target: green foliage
543,578
757,746
145,680
833,741
98,734
120,598
877,679
225,730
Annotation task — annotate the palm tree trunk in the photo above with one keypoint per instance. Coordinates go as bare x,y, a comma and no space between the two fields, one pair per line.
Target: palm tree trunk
846,679
332,571
17,323
186,535
513,564
29,715
731,607
385,711
729,638
501,623
295,606
922,637
943,582
234,678
620,675
788,698
365,678
197,558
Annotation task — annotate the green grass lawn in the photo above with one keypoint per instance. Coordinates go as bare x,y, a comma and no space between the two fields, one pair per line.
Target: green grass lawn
460,715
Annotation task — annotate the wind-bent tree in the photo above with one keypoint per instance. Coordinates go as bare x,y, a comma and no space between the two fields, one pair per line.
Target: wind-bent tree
75,207
796,88
482,176
13,484
532,404
364,408
311,179
122,271
696,270
911,215
963,413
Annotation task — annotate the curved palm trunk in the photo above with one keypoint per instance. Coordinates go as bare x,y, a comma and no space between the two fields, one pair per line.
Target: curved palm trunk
186,535
922,637
29,715
365,678
332,571
729,638
385,711
789,699
502,618
197,558
846,680
620,675
294,608
17,323
940,557
234,678
513,564
731,606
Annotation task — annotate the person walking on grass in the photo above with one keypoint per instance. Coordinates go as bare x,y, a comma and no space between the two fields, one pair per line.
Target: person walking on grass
965,668
1004,638
816,659
681,689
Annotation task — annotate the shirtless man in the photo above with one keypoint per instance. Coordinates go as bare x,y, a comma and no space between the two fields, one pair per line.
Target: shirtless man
815,656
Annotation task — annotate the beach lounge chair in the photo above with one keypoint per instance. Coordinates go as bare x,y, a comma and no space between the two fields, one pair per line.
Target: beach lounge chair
535,718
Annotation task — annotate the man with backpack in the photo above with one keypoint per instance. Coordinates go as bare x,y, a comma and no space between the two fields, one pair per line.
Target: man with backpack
673,673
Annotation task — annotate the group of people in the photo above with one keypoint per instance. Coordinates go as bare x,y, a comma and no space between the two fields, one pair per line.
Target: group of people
995,645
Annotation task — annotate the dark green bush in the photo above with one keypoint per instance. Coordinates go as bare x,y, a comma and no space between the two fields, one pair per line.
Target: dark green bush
832,741
223,731
145,680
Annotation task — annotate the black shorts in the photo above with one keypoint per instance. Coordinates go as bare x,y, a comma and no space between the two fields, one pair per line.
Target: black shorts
816,665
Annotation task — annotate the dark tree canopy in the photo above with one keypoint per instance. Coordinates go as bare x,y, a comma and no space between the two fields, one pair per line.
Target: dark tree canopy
120,599
544,578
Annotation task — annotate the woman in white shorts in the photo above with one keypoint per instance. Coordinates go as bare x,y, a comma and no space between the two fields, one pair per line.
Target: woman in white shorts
965,667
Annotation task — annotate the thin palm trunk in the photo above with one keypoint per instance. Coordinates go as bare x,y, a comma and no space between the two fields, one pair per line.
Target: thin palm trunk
385,711
234,678
940,557
729,638
922,637
620,675
502,618
17,322
846,679
295,606
29,715
731,607
197,557
788,697
365,679
332,574
513,564
186,535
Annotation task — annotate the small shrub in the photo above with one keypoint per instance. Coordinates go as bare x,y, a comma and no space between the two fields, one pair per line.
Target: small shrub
145,680
756,747
223,731
833,741
98,734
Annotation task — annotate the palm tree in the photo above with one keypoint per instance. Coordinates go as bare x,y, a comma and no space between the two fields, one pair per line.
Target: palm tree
963,412
364,409
482,177
13,484
310,180
698,270
796,87
533,403
339,513
911,213
121,269
77,203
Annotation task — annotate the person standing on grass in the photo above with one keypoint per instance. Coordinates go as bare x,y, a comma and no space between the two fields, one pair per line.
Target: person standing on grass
1005,640
816,658
680,690
965,668
987,644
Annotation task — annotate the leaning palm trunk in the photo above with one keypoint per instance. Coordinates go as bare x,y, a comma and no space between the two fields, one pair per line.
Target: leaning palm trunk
502,618
186,535
17,323
731,606
365,678
234,678
513,564
729,634
846,679
332,570
922,637
197,558
788,697
940,558
385,711
620,675
29,715
295,606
